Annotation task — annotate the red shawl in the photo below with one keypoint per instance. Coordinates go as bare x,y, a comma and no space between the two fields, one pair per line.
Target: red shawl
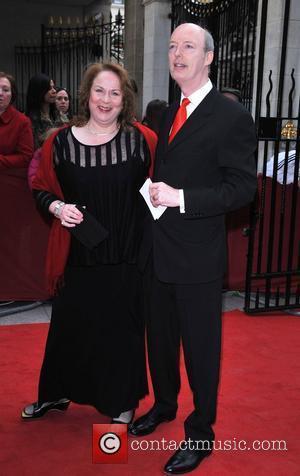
59,237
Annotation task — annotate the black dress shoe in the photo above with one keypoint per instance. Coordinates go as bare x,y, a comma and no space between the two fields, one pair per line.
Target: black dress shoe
185,460
146,424
36,410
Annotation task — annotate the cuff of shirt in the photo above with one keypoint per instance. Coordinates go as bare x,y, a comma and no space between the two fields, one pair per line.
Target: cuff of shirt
181,201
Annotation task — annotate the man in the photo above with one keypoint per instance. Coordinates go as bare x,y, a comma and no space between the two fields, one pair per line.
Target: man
203,171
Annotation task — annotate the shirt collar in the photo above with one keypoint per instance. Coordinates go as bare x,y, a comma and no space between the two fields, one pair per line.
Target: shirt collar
197,97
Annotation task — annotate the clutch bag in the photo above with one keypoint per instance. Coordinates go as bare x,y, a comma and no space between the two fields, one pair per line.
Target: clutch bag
89,232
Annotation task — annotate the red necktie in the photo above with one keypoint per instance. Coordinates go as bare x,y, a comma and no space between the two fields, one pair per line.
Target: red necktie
180,118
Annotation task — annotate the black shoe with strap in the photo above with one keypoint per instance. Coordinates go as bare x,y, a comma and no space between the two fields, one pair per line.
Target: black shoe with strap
38,410
147,423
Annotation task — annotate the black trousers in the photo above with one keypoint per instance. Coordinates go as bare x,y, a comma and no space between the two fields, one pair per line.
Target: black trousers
193,313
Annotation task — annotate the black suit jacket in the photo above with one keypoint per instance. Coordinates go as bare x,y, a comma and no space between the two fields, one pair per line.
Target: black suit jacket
212,159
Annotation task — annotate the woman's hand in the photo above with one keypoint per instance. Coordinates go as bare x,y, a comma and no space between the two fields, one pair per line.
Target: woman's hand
67,213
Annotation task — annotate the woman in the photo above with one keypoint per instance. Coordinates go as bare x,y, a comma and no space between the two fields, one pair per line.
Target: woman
16,141
40,107
36,159
95,348
154,112
63,104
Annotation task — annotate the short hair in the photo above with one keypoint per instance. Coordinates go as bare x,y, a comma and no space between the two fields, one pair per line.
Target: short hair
208,41
127,113
13,86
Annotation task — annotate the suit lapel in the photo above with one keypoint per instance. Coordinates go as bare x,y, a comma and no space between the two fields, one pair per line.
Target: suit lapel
168,123
162,146
195,121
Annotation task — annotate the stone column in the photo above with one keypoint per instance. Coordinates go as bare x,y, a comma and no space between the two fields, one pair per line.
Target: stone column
134,45
156,41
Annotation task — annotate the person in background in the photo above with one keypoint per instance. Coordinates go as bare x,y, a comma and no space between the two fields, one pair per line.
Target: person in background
63,104
95,348
204,168
40,107
16,140
16,150
36,159
284,172
232,93
154,113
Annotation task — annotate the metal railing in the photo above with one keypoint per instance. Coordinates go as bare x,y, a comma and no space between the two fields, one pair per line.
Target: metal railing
64,53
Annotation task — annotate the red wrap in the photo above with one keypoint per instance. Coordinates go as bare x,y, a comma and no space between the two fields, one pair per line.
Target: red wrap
59,238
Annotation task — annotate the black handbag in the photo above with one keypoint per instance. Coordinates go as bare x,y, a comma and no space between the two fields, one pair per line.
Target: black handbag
89,232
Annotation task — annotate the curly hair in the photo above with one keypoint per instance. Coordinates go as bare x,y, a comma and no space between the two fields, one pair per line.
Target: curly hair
127,113
13,86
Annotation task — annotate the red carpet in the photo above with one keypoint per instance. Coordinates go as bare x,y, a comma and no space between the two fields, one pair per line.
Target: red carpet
259,399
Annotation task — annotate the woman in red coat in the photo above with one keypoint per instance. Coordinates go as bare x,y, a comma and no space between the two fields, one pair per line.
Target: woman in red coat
24,237
16,140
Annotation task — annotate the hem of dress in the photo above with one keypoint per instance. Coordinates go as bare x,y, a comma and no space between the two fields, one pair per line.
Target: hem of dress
106,412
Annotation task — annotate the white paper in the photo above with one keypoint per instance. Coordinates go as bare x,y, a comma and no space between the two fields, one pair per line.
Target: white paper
155,211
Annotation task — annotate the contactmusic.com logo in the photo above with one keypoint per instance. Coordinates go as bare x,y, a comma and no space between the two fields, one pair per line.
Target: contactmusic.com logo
110,443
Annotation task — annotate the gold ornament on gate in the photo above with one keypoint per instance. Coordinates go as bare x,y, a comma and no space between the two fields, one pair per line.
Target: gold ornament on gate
289,131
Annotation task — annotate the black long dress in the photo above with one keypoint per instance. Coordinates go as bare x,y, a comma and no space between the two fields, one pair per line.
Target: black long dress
95,348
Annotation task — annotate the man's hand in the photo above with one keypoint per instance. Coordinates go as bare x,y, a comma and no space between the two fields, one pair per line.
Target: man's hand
163,194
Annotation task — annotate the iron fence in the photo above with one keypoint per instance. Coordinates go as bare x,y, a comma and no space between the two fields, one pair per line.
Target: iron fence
64,53
273,267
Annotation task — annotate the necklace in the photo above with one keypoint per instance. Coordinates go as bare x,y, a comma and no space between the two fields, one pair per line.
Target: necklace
95,133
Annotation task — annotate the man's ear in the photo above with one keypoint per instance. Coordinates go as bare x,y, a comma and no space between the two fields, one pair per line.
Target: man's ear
209,58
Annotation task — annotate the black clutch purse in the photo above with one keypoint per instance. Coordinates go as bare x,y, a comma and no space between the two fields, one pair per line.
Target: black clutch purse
89,232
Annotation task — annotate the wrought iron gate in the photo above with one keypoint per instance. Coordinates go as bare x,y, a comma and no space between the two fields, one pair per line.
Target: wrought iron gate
64,53
273,268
